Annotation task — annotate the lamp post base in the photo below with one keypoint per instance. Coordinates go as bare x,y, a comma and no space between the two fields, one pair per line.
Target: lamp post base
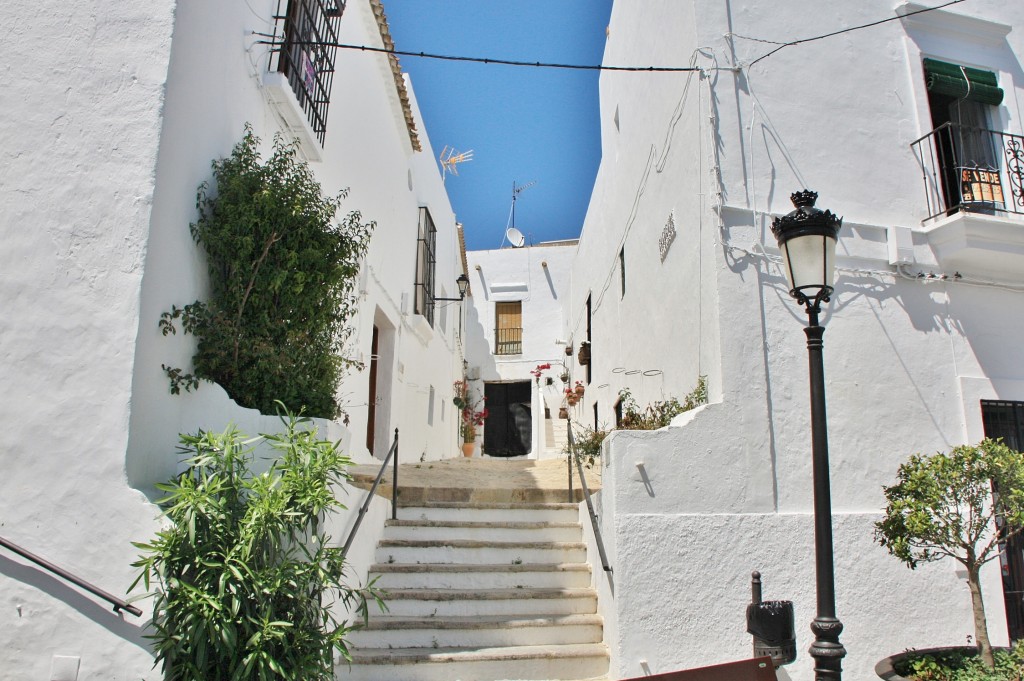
826,650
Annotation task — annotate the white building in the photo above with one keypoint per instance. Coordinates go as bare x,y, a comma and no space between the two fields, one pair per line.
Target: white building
102,157
678,276
513,327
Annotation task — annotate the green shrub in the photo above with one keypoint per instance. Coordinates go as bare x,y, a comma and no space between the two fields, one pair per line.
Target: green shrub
659,414
282,275
243,577
588,444
954,665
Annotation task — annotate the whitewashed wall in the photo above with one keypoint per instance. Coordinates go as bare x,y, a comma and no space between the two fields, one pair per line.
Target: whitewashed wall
906,360
538,276
105,144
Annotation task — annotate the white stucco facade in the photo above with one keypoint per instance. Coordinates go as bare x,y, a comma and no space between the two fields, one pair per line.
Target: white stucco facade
536,277
695,165
103,155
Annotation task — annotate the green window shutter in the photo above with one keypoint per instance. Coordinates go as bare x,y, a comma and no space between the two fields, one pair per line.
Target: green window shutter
944,78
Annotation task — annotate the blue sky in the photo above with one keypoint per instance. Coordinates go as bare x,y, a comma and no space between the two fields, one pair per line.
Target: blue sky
524,124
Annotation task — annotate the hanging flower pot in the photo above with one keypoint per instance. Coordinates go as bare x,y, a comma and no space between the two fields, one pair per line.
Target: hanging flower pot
579,389
584,354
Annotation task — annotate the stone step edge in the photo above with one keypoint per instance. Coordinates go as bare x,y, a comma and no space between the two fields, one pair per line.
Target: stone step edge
483,525
401,656
404,568
491,505
456,622
480,544
526,593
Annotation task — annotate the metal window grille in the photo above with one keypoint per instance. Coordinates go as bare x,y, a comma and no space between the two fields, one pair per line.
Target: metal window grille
301,50
425,261
508,328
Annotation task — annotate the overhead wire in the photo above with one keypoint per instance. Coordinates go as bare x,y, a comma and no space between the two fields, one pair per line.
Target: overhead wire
603,67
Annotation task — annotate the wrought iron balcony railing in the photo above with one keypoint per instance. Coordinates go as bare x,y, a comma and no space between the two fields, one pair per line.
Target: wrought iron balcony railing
508,341
974,170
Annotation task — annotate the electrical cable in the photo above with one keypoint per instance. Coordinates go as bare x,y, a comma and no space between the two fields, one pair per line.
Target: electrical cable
847,30
602,67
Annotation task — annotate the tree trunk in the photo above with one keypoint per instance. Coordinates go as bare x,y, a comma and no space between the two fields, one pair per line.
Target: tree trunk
980,625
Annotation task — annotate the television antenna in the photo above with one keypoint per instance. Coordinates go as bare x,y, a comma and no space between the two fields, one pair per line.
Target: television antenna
450,159
513,235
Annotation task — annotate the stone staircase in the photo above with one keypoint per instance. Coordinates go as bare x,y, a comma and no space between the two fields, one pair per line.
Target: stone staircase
481,591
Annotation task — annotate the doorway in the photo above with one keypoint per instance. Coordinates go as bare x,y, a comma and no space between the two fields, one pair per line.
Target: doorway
1006,420
508,430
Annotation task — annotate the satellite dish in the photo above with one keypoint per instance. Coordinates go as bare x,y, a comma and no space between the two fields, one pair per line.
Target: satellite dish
515,237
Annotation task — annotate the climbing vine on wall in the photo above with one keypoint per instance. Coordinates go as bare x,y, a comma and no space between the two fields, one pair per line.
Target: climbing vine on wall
282,276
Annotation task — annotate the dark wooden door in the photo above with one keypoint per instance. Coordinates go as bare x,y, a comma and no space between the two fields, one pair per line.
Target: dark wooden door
508,430
1006,420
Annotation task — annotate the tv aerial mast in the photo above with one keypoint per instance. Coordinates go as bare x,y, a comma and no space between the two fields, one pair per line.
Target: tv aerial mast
513,235
450,159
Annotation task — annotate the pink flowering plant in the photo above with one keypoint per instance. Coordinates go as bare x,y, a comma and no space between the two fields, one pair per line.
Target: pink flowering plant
540,369
472,412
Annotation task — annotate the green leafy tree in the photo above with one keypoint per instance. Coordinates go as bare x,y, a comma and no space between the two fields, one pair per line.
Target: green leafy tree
282,274
943,506
244,579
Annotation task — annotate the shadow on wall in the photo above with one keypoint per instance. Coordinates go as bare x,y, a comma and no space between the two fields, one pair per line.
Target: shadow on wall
101,614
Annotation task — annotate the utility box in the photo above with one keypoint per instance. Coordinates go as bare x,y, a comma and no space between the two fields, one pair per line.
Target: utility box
771,624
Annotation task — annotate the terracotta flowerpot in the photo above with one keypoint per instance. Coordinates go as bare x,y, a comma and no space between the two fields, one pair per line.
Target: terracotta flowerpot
467,448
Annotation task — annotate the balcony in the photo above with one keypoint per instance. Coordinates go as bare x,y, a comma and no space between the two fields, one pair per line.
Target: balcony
971,170
974,189
508,341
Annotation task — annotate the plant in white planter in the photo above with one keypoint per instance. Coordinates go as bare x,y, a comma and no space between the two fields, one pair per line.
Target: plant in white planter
948,505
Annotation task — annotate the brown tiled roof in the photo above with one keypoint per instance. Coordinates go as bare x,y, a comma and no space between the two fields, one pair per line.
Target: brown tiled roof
396,71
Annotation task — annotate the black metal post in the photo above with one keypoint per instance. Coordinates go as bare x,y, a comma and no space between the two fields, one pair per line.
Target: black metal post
826,650
394,483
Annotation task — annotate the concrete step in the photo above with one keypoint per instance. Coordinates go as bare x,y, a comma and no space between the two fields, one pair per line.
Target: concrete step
490,512
484,602
475,552
542,662
483,530
477,632
504,576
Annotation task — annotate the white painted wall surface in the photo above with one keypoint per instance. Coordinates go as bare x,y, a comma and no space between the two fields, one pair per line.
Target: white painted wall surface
104,148
83,93
538,276
728,490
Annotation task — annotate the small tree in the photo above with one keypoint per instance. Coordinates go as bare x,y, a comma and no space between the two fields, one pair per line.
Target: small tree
943,506
244,575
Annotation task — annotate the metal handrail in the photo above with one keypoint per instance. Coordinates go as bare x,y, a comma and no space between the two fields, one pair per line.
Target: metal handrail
119,604
586,495
369,495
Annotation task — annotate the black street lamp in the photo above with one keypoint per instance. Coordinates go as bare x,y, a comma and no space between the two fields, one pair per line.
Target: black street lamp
807,239
463,284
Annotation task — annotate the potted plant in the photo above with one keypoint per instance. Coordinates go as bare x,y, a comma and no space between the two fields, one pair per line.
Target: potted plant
538,370
472,413
943,505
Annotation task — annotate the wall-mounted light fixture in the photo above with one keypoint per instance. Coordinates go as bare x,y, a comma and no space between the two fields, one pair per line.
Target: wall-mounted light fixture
463,283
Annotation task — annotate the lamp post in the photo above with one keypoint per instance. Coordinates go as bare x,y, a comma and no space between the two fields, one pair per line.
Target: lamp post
807,239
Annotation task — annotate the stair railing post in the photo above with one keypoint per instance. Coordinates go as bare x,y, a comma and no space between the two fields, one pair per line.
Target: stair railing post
394,482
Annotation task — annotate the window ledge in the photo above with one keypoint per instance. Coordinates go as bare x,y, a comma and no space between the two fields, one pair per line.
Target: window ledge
283,100
980,244
421,327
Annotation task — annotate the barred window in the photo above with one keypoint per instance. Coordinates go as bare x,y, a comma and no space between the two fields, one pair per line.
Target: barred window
302,50
425,259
